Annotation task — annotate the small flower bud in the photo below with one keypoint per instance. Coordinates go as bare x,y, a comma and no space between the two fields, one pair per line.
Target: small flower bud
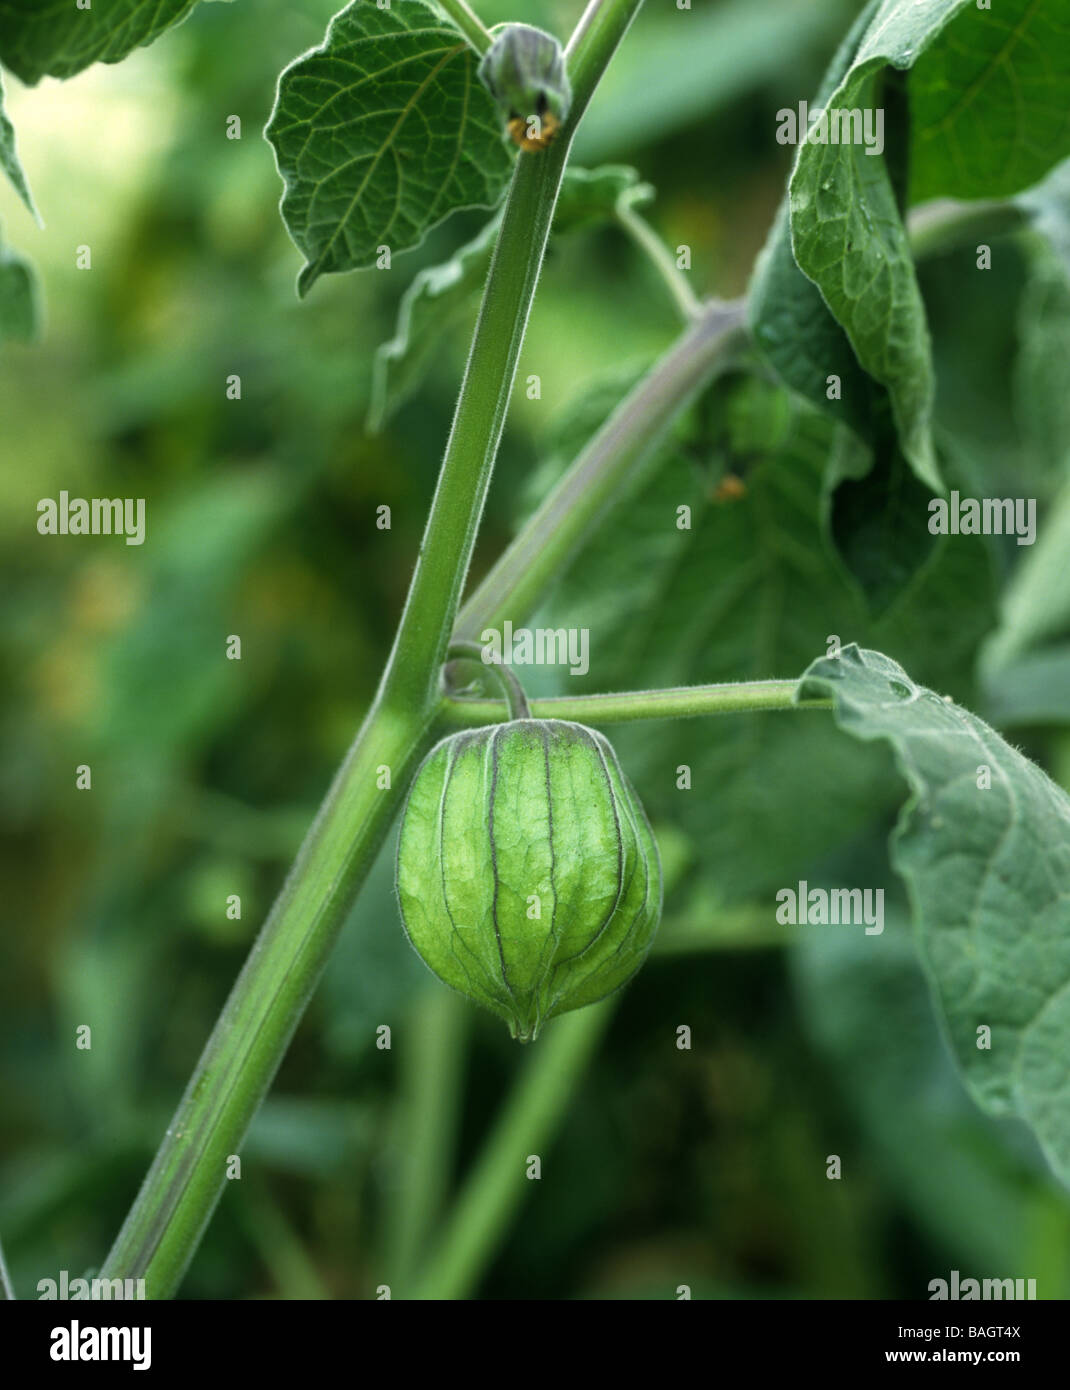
524,70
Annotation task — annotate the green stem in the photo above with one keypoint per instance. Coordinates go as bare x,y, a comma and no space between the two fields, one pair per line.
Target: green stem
525,1126
431,1057
516,701
605,468
659,255
183,1185
470,24
679,702
457,509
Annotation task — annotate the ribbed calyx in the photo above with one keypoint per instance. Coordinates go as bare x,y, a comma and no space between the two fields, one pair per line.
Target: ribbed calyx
527,874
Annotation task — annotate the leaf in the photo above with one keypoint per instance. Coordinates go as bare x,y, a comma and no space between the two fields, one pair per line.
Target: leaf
789,319
381,133
19,297
797,335
877,515
848,234
54,38
792,324
988,102
445,294
9,159
988,875
748,591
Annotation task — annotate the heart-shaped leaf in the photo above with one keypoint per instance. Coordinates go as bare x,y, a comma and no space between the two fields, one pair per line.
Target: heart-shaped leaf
380,133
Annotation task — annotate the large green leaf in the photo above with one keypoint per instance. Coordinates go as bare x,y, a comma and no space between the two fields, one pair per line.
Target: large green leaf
748,591
988,102
802,328
9,159
788,316
19,297
54,38
380,133
847,231
987,868
442,295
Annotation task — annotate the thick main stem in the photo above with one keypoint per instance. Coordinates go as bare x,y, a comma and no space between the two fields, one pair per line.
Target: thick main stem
240,1060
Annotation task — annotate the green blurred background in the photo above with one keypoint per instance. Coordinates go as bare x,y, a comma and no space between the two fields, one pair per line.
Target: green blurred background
704,1167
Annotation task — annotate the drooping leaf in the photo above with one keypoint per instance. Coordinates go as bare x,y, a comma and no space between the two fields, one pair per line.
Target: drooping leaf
989,114
19,297
9,159
55,38
380,133
789,319
443,295
847,230
983,844
809,344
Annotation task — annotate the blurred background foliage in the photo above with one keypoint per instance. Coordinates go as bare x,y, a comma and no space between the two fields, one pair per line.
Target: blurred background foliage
704,1167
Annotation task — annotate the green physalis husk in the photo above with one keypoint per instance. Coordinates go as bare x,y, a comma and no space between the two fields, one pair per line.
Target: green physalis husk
527,874
524,71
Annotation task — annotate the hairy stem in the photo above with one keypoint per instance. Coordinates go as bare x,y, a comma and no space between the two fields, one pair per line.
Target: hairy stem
179,1194
679,702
